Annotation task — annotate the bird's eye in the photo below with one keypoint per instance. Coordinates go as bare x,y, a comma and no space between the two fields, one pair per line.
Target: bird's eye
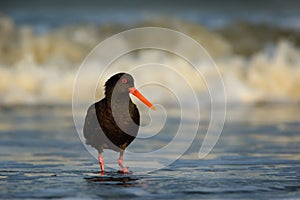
124,80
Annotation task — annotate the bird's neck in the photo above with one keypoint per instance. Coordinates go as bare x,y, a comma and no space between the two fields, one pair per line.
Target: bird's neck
119,100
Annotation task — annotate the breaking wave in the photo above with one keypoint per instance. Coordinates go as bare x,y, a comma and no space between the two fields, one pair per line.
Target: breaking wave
41,68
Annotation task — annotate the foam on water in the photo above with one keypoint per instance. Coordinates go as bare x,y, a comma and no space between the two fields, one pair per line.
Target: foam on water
41,69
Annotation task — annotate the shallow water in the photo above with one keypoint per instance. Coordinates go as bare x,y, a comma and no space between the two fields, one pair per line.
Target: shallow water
256,157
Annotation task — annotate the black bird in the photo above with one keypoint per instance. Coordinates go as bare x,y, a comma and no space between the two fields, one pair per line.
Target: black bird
113,122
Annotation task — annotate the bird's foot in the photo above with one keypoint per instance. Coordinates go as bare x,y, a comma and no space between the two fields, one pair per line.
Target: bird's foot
124,170
101,173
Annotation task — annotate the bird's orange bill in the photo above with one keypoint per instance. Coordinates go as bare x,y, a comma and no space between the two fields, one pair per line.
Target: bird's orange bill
136,93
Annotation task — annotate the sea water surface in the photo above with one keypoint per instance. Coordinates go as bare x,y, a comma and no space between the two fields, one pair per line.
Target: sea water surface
256,157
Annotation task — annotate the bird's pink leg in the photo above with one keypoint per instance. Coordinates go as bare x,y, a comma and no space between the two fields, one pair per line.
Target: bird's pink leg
120,162
101,162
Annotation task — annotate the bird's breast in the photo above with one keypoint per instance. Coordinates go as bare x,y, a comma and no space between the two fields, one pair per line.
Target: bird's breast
119,119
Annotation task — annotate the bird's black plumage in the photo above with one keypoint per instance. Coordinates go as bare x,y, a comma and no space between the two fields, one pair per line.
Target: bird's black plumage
113,122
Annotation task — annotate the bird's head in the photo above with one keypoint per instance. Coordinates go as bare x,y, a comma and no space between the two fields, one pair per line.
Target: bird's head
122,84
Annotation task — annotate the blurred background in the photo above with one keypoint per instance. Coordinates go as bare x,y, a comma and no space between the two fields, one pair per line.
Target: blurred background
254,43
256,46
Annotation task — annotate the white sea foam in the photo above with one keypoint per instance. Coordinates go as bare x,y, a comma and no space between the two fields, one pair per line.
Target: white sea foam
41,69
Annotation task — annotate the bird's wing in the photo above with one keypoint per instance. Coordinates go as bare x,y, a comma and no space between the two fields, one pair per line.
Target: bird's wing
92,129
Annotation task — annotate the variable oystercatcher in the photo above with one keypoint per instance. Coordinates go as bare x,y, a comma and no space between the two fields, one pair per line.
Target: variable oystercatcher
113,122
